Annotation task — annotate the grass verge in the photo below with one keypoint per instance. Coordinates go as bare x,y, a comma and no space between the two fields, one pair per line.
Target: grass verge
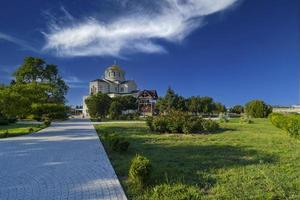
245,161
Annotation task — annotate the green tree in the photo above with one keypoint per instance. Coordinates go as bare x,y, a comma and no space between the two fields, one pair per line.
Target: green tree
49,111
237,109
35,70
115,110
258,109
219,108
98,105
16,100
171,101
127,102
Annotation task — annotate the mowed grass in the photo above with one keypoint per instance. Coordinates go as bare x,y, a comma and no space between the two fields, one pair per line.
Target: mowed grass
20,129
244,161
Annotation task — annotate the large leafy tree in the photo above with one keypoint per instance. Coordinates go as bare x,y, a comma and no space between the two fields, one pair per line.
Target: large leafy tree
98,105
35,83
258,109
35,70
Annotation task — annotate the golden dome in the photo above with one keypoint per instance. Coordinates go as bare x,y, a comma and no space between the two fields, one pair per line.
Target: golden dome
114,68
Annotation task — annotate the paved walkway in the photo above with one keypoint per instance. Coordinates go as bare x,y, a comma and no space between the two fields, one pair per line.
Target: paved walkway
64,161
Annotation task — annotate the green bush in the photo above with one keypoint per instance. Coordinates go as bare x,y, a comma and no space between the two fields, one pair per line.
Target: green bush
160,124
140,170
287,122
293,126
30,130
193,125
278,120
176,121
116,143
47,122
210,126
258,109
175,192
5,134
149,122
181,122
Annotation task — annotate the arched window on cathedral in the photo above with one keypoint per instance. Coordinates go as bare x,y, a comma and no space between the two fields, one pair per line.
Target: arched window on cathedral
114,73
122,89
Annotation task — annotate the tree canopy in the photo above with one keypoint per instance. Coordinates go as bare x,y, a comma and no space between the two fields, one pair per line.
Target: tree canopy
35,83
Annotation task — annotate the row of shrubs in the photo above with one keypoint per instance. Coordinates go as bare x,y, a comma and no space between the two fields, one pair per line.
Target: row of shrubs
181,122
287,122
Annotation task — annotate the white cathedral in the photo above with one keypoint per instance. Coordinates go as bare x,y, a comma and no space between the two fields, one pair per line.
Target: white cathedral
114,84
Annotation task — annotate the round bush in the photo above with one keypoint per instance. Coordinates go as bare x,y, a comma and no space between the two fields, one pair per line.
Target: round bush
258,109
161,124
175,192
210,126
149,122
140,170
193,125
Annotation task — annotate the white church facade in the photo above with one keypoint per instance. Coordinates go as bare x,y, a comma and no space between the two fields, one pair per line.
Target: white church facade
113,84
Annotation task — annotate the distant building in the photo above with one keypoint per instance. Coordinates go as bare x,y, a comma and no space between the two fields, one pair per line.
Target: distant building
146,102
113,84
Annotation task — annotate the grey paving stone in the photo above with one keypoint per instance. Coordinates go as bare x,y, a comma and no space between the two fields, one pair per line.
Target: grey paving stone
65,161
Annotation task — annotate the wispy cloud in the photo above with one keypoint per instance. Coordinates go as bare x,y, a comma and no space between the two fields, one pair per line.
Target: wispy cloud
75,82
17,41
139,31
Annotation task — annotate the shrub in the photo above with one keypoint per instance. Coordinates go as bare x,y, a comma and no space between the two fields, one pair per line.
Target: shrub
258,109
47,122
116,143
287,122
30,130
160,124
180,122
5,134
140,170
149,122
293,126
278,120
210,126
177,191
193,125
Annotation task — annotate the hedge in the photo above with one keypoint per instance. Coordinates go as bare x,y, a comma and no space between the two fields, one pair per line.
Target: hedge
181,122
287,122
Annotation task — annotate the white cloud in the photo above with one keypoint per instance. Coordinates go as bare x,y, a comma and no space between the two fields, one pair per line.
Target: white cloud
17,41
75,82
138,32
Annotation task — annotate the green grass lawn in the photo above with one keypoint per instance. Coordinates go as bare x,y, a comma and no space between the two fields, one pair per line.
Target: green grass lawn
245,161
20,129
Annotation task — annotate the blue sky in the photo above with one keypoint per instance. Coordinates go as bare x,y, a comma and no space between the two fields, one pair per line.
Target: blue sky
231,50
